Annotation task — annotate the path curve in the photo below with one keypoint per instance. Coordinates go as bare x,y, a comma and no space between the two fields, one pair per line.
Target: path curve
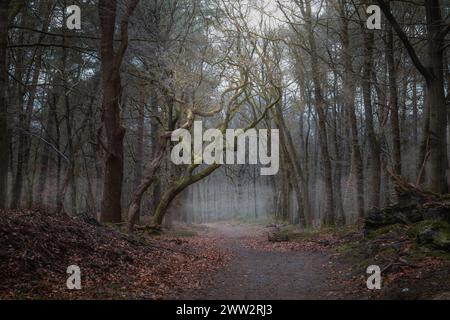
256,274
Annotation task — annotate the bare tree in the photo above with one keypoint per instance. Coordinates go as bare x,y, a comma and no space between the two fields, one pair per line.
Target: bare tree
4,137
111,210
432,71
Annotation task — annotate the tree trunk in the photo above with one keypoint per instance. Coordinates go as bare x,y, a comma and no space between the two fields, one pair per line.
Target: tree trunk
24,142
320,109
148,179
415,110
298,181
154,141
139,146
349,102
433,73
393,104
111,61
69,132
176,188
45,157
337,153
4,137
436,96
375,174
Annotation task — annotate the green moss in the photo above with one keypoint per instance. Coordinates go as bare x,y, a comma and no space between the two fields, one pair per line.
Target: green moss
418,253
443,239
345,231
347,248
182,233
387,244
444,255
294,233
353,253
420,227
387,253
394,229
431,234
439,225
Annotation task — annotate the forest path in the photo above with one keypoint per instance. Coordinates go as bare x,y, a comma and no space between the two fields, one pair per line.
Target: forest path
258,274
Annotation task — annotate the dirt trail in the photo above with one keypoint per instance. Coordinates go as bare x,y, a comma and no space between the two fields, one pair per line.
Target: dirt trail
256,274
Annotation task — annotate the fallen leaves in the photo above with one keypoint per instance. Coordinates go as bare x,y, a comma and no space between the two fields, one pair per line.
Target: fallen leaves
37,246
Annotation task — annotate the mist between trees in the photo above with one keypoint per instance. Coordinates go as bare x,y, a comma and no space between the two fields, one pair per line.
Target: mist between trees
87,115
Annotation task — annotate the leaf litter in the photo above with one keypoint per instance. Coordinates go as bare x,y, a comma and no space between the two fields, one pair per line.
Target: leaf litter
37,246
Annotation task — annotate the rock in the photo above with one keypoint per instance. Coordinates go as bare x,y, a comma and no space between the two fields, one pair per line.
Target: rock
436,213
377,219
435,236
392,215
427,236
405,214
416,215
275,235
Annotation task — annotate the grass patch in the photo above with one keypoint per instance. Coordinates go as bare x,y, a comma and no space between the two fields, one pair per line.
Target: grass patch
182,233
391,230
294,233
419,227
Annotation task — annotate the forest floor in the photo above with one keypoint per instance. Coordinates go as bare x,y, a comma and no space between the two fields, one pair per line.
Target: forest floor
326,264
260,270
227,260
37,246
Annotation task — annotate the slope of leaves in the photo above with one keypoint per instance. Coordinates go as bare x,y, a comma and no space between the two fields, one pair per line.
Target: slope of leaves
37,246
408,271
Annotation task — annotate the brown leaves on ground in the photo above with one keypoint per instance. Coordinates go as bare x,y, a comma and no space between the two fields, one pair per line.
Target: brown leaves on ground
406,274
37,246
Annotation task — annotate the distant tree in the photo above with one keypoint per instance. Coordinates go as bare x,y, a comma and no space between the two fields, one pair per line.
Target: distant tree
4,136
432,71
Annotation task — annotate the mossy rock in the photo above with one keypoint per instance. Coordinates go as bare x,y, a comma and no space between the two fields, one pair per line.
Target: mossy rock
277,237
183,233
294,233
433,234
397,214
415,229
442,213
394,230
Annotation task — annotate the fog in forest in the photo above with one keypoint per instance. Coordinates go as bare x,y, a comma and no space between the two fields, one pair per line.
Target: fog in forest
89,117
